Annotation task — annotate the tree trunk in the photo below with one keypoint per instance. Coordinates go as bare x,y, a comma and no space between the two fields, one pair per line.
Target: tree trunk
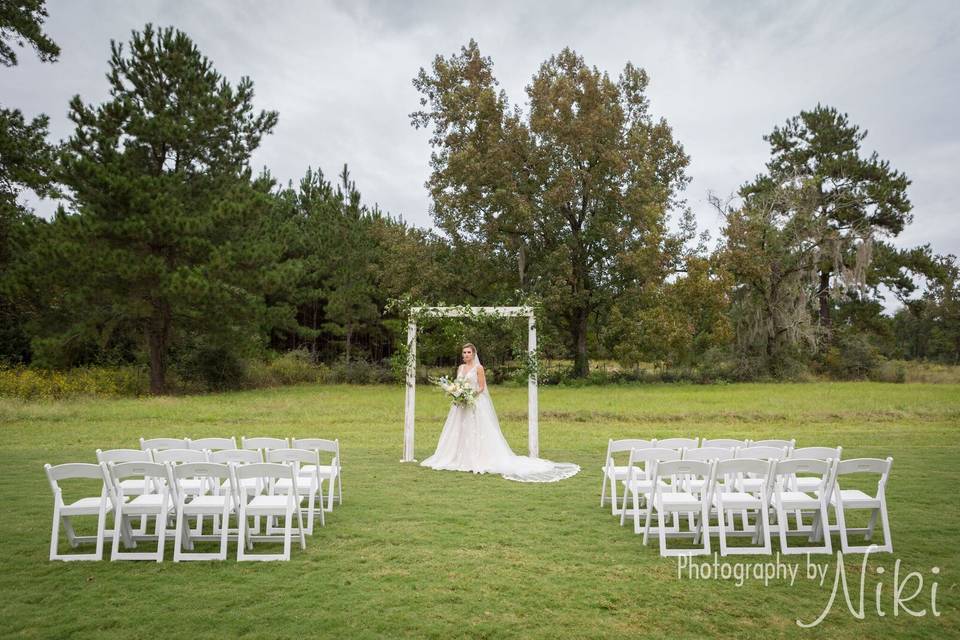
158,339
823,293
581,363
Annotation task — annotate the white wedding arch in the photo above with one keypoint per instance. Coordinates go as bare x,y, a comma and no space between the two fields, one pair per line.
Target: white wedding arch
533,438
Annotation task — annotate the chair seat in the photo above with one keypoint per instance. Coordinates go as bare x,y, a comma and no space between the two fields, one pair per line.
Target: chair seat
303,485
620,472
641,486
133,485
208,504
808,484
146,504
84,507
268,505
737,500
678,501
325,470
250,485
798,500
752,484
855,499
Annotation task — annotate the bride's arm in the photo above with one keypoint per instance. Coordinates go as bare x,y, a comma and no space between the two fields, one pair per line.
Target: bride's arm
481,379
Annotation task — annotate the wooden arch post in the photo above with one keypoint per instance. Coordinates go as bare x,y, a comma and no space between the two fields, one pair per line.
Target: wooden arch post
533,421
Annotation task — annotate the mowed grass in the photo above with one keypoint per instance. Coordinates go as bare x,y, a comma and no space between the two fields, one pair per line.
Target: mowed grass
418,553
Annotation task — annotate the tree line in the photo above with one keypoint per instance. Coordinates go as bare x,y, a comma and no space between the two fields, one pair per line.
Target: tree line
168,249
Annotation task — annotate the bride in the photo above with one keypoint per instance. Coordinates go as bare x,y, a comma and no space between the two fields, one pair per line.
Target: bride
472,440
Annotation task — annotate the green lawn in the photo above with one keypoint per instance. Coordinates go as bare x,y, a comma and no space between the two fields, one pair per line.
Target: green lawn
419,553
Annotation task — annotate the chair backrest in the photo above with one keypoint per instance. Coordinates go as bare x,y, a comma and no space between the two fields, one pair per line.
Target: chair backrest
124,455
794,467
214,444
818,453
866,465
76,470
763,453
677,443
728,471
159,444
236,456
707,454
683,469
270,470
618,446
179,456
121,470
296,456
725,443
646,457
788,444
201,470
263,443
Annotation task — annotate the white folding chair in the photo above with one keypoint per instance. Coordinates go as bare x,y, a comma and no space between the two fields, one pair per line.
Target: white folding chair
159,444
213,444
329,473
219,505
807,483
287,505
785,499
727,498
615,474
190,486
671,499
130,486
638,485
307,485
263,444
98,506
723,443
159,505
677,443
845,499
782,444
248,487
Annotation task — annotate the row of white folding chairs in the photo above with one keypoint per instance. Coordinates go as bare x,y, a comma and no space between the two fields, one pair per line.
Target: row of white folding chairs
189,489
670,483
613,473
331,473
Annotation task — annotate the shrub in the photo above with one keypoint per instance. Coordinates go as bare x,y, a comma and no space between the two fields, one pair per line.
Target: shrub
46,384
215,367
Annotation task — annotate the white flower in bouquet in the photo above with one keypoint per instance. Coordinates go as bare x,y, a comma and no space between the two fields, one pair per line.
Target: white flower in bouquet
460,392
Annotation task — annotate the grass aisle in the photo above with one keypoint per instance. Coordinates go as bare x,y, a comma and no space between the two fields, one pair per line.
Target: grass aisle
426,554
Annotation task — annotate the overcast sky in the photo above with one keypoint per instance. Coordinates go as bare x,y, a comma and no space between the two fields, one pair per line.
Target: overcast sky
722,74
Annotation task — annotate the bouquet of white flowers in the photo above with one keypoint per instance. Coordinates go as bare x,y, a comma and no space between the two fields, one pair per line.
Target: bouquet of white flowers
460,392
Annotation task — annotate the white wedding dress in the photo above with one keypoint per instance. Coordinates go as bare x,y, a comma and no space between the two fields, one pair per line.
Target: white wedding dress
472,441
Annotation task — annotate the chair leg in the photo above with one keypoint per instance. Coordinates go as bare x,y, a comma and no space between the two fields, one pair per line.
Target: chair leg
55,533
661,530
603,489
636,511
241,533
161,535
339,487
613,497
330,496
287,531
225,519
722,528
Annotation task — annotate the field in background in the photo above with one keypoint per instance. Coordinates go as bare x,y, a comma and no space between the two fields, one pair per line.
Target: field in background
419,553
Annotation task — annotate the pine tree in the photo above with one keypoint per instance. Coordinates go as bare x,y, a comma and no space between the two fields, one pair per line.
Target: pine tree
166,233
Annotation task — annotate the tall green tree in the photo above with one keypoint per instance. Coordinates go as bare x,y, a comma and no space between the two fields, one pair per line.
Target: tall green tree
859,199
166,235
26,163
576,189
21,23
